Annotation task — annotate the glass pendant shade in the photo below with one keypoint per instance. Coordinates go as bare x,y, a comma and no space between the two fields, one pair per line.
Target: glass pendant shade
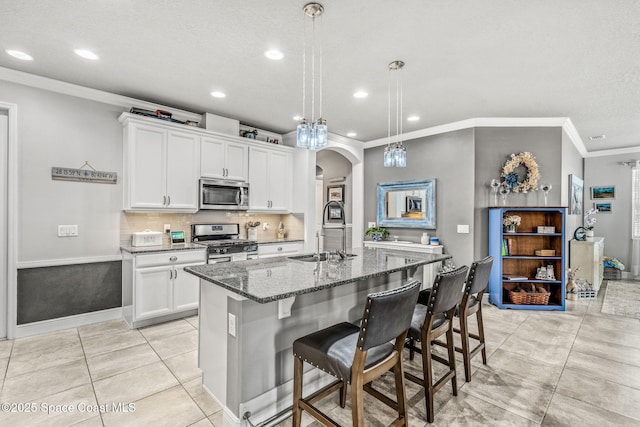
401,156
395,154
312,135
302,138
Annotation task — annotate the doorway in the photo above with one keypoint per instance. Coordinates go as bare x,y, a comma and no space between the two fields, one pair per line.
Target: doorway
333,173
4,149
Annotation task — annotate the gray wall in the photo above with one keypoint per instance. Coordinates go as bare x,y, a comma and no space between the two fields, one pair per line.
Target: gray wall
572,164
616,226
61,130
494,147
449,158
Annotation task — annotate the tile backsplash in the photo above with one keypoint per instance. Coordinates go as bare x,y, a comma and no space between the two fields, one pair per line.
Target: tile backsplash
131,222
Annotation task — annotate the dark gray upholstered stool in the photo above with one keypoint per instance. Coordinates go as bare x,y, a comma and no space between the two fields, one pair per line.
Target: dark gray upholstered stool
477,282
432,318
358,355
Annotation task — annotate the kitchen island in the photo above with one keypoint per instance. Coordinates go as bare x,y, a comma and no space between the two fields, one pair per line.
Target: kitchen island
252,311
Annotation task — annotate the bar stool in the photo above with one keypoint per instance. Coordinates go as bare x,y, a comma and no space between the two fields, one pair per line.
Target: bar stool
477,282
358,355
432,318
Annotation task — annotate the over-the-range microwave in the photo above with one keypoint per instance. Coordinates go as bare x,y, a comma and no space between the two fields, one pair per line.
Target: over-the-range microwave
223,194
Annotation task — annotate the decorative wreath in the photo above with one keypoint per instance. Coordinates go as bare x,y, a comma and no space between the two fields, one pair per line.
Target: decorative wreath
530,182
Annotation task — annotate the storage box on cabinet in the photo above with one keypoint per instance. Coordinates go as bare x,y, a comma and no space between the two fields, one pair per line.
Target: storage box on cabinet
516,263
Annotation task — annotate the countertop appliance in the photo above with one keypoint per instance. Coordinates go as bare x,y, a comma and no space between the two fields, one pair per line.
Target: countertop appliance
223,242
223,194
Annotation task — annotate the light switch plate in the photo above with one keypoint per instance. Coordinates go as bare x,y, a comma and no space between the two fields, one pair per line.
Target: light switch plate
232,325
463,228
68,230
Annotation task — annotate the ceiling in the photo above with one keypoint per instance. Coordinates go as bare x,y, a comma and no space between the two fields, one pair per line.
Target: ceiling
464,59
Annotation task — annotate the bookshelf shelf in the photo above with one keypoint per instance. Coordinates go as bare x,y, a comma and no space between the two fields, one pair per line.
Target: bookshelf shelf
515,256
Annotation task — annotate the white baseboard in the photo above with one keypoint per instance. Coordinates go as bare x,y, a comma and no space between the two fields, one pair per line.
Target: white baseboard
61,323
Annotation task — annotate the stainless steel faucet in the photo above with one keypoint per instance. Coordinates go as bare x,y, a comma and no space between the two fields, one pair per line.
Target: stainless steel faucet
343,226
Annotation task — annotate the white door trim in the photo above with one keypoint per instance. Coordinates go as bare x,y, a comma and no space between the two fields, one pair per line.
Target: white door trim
12,216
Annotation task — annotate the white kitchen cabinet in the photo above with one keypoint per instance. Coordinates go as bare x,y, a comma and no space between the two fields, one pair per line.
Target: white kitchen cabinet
224,159
269,250
429,271
586,258
161,168
270,183
155,287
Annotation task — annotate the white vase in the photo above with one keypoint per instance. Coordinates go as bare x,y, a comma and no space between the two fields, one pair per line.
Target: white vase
424,239
589,235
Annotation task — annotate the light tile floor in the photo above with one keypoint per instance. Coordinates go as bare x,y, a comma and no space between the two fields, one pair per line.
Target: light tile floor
578,367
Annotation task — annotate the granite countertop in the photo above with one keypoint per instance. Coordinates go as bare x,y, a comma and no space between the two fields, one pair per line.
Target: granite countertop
272,279
163,248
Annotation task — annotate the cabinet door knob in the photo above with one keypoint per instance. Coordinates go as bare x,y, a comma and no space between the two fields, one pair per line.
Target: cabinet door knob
173,258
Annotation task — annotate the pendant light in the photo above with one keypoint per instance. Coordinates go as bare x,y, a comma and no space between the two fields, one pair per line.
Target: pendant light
312,134
395,154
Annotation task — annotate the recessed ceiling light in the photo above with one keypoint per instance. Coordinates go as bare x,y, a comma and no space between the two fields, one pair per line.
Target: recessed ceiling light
352,134
597,137
218,94
20,55
360,94
86,54
274,54
413,118
297,118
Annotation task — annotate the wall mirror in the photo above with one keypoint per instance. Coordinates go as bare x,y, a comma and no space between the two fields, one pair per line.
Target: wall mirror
407,204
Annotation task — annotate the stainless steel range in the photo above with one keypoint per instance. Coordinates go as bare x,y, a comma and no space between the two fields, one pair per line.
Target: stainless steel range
223,242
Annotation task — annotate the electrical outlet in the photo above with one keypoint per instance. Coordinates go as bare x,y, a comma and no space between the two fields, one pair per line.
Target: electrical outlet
265,225
167,228
463,228
371,224
67,230
232,325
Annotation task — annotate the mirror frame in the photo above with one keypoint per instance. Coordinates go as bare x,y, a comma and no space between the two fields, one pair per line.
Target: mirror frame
429,222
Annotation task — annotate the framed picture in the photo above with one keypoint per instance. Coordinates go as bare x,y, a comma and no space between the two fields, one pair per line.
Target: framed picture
576,187
603,207
413,204
605,192
335,213
335,192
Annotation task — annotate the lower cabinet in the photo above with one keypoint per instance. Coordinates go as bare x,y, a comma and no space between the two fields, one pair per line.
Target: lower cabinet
268,250
156,288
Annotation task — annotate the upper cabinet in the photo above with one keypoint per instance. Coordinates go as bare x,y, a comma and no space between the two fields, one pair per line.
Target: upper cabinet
161,168
224,159
270,177
163,162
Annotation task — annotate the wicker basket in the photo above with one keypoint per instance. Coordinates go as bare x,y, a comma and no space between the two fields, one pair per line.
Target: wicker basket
533,298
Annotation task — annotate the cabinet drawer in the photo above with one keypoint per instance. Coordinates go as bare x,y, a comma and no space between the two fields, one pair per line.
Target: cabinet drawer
170,257
280,248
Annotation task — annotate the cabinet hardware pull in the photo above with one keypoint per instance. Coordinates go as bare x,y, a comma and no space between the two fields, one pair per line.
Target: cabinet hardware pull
170,274
168,200
164,200
173,258
280,248
175,276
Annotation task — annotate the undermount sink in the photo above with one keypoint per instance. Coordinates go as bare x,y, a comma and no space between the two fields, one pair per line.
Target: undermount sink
321,257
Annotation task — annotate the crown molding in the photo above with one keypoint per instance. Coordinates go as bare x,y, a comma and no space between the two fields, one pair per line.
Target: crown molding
613,152
84,92
562,122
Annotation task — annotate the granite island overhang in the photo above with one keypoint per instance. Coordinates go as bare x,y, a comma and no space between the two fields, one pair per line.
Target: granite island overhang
252,311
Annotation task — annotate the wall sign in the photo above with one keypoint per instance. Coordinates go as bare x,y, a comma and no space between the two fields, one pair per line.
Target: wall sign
84,175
